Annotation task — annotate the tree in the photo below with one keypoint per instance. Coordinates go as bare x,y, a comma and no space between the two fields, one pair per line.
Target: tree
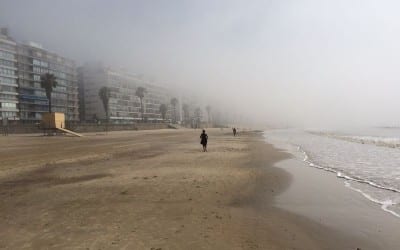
163,110
48,82
197,114
174,102
104,94
140,91
185,109
208,109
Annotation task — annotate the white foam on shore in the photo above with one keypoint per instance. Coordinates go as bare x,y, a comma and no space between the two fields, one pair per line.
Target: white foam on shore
341,175
390,142
384,204
346,161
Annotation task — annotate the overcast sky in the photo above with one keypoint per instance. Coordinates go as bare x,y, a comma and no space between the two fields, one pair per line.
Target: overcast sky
308,63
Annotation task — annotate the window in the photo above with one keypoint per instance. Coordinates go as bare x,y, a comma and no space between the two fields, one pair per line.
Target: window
44,64
36,62
7,80
36,77
8,97
7,72
8,105
7,55
8,114
39,93
7,63
8,89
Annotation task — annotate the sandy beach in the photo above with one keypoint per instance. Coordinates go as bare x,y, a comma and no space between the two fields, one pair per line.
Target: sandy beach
158,190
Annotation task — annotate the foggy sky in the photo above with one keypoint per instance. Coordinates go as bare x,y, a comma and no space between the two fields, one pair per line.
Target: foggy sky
308,63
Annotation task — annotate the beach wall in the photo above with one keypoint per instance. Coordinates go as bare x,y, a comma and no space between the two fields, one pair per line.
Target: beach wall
82,128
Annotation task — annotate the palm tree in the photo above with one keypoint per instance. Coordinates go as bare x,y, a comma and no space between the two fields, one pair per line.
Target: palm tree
48,82
197,114
140,91
208,109
104,94
185,109
174,102
163,110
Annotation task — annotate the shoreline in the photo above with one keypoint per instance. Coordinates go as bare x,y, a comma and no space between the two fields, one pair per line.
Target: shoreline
318,194
323,198
347,182
156,190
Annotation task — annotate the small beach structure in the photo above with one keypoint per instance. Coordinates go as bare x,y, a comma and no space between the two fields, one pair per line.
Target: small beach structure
55,122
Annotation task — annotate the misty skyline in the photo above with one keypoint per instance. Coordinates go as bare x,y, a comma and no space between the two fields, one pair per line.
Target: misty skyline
306,63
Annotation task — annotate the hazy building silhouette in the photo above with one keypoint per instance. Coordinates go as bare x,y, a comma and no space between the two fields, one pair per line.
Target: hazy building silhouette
124,105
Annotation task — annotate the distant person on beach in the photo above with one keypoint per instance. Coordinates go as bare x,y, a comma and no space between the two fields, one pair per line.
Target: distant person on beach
204,138
234,131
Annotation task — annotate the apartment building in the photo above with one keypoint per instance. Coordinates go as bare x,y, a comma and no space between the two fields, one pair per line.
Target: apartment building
8,77
33,61
124,105
21,96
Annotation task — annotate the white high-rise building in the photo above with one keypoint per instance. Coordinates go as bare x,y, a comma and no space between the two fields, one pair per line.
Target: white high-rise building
34,61
21,95
8,77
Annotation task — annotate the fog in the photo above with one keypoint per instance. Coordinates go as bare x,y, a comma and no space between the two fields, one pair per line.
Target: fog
310,63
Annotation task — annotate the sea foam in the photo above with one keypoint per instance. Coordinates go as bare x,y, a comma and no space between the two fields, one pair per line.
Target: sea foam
368,168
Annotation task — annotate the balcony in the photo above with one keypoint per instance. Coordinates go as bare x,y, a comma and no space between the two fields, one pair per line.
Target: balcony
9,84
32,97
9,109
8,93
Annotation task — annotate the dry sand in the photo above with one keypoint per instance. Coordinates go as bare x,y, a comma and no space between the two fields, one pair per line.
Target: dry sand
150,190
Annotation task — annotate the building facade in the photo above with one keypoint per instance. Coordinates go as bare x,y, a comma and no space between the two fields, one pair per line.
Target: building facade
124,105
33,61
8,77
21,96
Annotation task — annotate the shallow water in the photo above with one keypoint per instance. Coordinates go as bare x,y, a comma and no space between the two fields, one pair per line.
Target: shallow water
368,160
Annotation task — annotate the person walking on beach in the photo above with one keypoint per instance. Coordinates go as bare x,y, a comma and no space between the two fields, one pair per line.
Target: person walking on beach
234,131
204,138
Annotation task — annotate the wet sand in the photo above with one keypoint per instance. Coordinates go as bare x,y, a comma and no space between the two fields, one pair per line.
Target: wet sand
152,190
320,196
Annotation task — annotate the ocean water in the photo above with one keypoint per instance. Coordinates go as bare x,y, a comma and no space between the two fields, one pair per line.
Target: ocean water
368,160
